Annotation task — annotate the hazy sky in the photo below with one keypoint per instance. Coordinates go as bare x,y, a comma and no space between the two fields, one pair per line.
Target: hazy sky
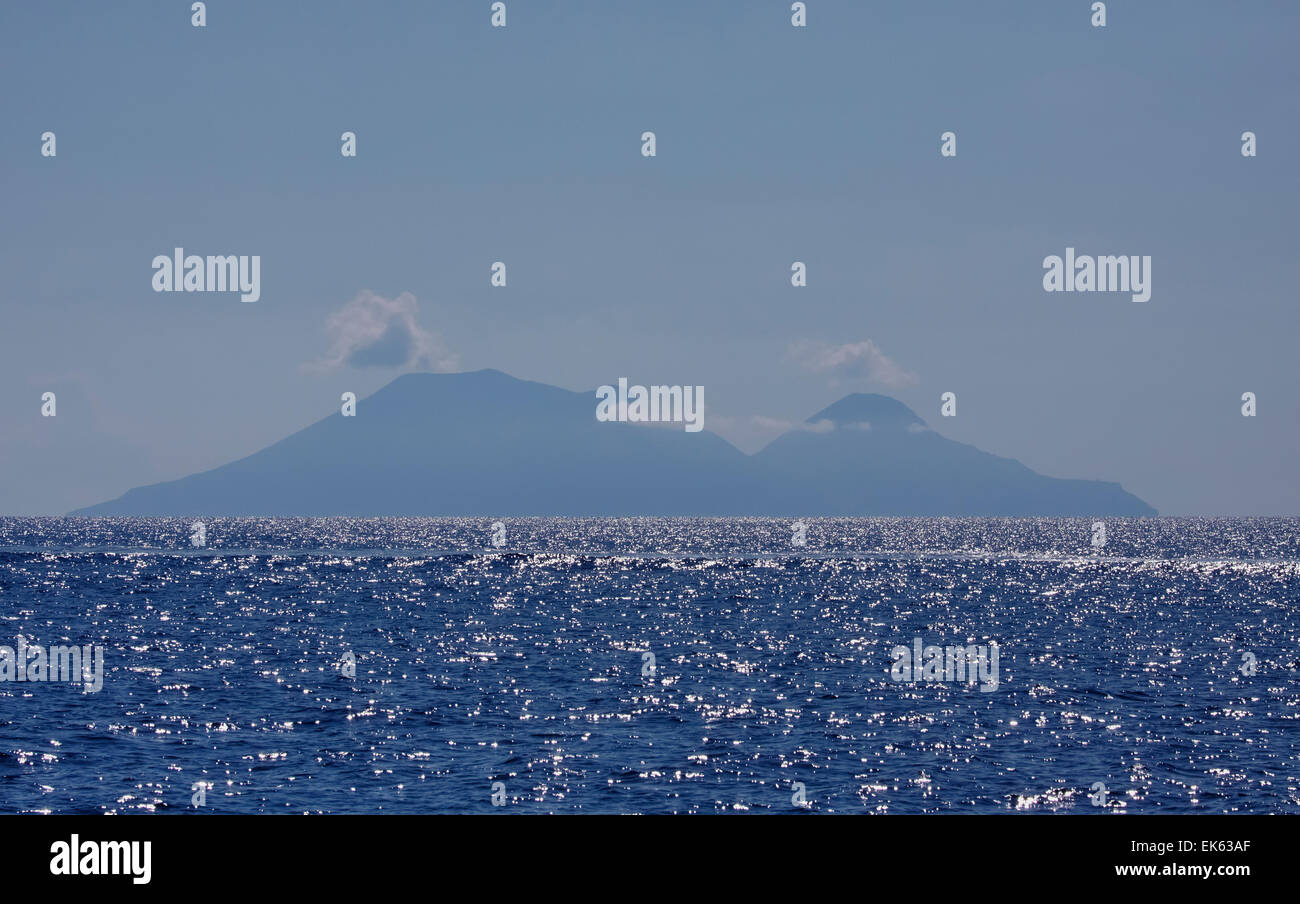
774,144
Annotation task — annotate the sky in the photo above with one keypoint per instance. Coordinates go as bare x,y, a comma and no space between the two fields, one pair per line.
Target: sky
774,144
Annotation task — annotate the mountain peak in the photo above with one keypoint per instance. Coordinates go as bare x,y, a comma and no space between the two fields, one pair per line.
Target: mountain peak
461,376
881,412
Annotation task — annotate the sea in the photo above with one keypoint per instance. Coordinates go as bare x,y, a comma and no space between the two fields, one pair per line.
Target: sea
648,665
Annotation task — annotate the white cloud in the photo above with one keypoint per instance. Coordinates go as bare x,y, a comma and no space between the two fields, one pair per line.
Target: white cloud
851,361
373,331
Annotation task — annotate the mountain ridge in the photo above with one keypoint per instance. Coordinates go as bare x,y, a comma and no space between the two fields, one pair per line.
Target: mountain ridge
483,442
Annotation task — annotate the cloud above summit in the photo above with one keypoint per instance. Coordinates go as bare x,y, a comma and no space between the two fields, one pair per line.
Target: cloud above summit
851,362
373,331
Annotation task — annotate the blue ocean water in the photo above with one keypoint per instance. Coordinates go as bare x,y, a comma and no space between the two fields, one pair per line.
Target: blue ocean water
524,665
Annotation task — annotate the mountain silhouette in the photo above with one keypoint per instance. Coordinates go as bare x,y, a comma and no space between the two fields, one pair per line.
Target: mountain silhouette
488,444
870,454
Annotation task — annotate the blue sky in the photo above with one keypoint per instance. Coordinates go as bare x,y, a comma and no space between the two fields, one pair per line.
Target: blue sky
775,144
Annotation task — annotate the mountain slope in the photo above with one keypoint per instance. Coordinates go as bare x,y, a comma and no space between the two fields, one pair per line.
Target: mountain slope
871,455
485,443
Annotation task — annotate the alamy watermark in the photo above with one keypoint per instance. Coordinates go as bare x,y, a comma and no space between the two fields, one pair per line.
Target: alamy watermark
952,664
1108,273
75,857
67,664
215,273
639,404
